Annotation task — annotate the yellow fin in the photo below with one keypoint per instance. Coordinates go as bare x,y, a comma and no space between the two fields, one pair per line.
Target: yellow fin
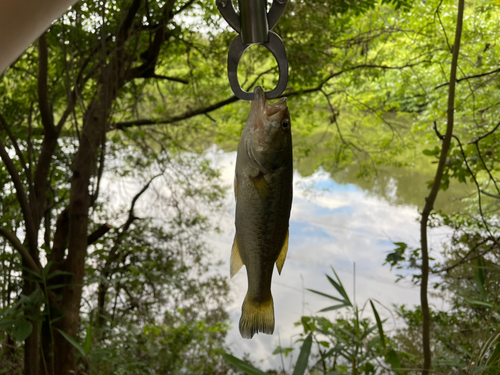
256,317
282,256
261,186
236,263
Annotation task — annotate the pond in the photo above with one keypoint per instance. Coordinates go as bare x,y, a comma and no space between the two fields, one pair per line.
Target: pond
341,223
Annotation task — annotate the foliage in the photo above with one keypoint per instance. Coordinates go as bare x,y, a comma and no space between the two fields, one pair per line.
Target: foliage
349,344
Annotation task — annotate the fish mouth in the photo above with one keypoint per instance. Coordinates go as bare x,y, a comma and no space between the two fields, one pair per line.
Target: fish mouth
277,107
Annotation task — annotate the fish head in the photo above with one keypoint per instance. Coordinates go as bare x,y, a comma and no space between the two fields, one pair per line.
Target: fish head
269,137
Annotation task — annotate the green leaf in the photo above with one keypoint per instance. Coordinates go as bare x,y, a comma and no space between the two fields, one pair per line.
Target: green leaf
495,356
73,342
88,339
480,368
280,350
326,295
301,365
335,307
379,324
22,330
6,324
240,365
477,302
46,269
433,152
339,286
57,273
392,358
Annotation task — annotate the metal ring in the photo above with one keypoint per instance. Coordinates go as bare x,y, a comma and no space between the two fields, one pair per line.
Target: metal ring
277,48
275,12
226,8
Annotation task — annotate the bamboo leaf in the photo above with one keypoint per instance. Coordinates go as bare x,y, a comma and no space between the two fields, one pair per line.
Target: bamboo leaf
335,307
326,295
88,339
379,324
480,369
73,342
301,365
242,366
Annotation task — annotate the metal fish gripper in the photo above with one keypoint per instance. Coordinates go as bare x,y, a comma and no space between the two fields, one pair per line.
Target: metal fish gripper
254,25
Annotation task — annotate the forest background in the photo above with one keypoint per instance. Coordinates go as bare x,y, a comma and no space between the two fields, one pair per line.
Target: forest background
137,89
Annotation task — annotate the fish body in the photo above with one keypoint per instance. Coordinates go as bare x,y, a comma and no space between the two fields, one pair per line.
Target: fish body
263,191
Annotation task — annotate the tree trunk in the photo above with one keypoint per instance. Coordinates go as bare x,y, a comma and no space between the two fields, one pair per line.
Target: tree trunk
430,200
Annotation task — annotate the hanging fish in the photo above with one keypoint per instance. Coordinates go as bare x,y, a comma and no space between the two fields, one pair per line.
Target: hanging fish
263,191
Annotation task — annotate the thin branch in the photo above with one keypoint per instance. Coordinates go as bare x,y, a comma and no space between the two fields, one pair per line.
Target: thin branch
490,195
469,77
486,135
429,201
466,258
21,196
21,249
16,147
168,78
442,26
490,175
476,183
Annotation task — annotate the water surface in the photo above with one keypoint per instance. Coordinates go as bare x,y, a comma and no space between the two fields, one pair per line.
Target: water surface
332,224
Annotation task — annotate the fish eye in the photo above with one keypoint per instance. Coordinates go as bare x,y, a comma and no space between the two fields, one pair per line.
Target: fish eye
285,124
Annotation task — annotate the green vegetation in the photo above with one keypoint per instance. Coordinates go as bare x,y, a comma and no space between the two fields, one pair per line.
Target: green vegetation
97,282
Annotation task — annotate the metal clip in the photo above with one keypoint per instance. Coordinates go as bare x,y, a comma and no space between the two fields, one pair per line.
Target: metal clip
254,25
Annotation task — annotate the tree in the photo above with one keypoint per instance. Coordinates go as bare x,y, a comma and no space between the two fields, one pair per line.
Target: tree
58,107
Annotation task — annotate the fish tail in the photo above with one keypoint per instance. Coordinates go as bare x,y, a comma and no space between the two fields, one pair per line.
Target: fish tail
257,317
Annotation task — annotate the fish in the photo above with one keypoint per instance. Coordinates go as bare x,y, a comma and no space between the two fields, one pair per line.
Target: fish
263,188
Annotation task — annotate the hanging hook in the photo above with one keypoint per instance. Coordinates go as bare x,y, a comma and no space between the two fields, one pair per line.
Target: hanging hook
254,25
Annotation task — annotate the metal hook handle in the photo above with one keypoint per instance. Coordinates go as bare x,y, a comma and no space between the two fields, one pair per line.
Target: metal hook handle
254,25
277,48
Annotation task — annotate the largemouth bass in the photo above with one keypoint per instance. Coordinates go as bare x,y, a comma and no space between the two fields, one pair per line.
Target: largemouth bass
263,191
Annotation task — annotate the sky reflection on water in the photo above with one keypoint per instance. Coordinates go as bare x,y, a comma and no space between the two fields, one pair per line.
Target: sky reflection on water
331,225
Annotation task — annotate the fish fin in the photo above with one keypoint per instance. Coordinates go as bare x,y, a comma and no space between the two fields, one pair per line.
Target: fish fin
261,186
257,317
236,263
281,258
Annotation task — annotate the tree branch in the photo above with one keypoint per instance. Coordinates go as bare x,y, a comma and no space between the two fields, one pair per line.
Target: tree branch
184,7
168,78
485,135
210,108
490,195
98,233
469,77
466,258
429,201
43,95
21,196
16,147
21,249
